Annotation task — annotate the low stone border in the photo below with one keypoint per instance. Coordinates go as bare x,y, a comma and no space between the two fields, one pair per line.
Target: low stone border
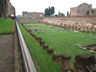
74,28
64,60
85,63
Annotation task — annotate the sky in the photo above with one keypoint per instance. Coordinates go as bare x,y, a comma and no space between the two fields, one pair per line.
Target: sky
39,5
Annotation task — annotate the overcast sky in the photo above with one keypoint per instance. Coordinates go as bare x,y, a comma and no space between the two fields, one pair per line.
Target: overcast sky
40,5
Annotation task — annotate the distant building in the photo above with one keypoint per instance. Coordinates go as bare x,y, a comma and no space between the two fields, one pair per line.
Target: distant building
83,10
30,17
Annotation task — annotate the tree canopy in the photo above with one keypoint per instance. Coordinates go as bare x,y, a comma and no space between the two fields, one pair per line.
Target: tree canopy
49,11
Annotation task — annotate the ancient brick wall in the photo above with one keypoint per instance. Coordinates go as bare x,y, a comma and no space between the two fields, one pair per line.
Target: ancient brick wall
71,19
10,9
6,9
82,10
73,11
31,17
3,8
94,11
78,24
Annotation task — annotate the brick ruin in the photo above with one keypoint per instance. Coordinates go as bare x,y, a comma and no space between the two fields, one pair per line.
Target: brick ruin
83,10
31,17
2,8
6,9
77,24
10,10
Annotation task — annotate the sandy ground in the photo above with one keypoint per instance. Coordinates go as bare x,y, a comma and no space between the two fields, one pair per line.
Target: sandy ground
6,53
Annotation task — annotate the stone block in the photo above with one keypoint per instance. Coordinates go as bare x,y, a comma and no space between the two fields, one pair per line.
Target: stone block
66,61
46,47
50,51
84,62
57,58
42,43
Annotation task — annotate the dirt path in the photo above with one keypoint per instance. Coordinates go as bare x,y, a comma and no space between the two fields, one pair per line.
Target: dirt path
6,53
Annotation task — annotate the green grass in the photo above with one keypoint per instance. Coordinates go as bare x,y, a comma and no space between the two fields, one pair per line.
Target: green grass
43,60
63,42
6,26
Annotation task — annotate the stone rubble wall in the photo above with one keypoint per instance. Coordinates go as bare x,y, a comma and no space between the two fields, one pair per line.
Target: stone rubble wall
78,24
85,63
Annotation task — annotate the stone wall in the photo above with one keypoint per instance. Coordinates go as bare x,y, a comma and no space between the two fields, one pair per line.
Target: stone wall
82,10
78,24
31,17
3,5
71,20
73,11
85,63
6,9
94,11
10,10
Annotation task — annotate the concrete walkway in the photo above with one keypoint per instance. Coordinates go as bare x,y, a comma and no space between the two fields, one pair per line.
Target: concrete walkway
6,53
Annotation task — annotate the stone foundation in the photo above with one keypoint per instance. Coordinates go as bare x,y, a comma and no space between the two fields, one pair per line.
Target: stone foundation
78,24
85,63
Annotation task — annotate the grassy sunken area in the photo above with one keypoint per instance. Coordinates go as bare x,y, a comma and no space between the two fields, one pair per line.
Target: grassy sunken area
6,26
62,41
42,59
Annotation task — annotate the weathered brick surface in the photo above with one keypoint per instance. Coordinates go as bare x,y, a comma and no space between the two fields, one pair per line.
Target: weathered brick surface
78,24
83,10
6,9
31,17
85,63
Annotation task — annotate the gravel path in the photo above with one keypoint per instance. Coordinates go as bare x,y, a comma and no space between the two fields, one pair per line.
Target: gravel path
6,53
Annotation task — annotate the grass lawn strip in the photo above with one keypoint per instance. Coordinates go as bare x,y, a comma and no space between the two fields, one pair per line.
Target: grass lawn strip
63,41
6,26
41,57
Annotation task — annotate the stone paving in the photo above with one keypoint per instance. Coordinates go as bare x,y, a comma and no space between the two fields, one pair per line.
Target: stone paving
6,53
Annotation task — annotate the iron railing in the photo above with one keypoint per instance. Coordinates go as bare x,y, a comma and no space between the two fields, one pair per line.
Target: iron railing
27,59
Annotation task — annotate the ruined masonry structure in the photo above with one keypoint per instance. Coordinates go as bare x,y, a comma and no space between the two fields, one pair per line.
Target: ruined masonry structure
83,10
6,9
31,17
